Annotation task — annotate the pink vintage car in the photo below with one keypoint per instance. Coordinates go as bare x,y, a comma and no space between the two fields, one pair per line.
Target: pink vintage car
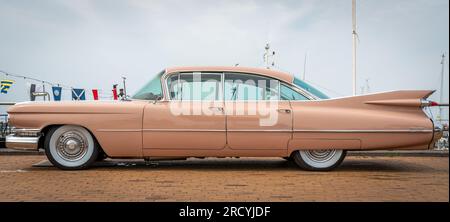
224,112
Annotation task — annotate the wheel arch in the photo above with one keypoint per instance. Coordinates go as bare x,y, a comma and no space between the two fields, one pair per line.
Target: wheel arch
47,128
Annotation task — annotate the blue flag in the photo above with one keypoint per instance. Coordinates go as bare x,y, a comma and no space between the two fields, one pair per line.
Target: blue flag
78,94
57,93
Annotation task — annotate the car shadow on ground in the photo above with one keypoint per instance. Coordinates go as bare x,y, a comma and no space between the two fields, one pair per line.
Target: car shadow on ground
232,164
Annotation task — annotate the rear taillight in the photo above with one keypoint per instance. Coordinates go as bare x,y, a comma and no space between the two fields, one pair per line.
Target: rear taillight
427,103
433,103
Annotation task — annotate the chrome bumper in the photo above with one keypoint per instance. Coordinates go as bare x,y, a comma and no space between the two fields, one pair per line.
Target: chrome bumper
23,139
438,134
23,143
439,130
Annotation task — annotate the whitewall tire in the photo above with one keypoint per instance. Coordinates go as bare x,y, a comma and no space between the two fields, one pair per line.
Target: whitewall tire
70,147
319,160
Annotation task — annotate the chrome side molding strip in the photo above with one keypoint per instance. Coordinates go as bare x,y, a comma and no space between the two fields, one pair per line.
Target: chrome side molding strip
119,130
367,131
184,130
274,130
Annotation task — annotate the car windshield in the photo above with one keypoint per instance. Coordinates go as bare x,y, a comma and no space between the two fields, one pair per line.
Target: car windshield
152,90
310,89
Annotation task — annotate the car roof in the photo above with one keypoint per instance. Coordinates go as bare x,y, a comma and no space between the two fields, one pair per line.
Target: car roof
286,77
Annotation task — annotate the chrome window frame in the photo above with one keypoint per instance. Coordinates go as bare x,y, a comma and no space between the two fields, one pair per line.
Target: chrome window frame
166,88
252,74
166,94
299,91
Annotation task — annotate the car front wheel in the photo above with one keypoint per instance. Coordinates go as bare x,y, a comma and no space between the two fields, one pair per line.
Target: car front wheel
70,147
319,160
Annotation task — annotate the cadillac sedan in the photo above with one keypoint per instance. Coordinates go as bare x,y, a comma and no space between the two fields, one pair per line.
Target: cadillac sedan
224,112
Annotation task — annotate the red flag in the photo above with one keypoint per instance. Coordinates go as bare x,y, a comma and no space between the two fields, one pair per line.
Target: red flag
95,94
114,91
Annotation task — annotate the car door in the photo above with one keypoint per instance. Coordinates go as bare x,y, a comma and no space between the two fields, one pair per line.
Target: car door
256,117
191,116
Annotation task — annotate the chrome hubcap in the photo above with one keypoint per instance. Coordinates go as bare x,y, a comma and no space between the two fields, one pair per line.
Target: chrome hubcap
320,156
71,145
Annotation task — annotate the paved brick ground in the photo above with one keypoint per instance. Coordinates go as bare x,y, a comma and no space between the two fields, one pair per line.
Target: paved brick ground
245,179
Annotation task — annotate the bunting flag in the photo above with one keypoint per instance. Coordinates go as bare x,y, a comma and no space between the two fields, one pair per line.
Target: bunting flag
78,94
95,94
114,91
5,85
57,90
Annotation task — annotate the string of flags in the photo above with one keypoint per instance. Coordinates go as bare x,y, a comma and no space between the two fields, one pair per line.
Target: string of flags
57,89
77,94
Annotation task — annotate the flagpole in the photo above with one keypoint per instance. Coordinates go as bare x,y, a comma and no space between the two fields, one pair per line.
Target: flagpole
354,45
124,88
304,66
43,89
442,88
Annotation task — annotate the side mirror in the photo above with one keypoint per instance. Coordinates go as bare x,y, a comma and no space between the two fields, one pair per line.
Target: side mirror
157,99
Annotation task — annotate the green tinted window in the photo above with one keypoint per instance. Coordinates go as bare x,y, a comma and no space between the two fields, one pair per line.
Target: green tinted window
303,85
239,86
195,86
289,94
174,88
152,90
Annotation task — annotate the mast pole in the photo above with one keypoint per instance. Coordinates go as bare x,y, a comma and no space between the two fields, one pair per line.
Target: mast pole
442,87
354,45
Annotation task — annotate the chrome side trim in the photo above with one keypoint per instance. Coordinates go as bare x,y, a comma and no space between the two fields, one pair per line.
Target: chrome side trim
119,130
26,130
184,130
272,130
368,94
264,130
214,130
367,131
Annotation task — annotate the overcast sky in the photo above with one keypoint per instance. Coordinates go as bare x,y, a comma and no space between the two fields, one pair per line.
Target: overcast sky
91,44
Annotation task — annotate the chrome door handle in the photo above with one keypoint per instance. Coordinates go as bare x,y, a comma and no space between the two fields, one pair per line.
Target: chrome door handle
284,110
218,108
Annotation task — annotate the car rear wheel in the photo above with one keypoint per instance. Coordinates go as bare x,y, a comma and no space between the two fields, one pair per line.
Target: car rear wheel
70,147
319,160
